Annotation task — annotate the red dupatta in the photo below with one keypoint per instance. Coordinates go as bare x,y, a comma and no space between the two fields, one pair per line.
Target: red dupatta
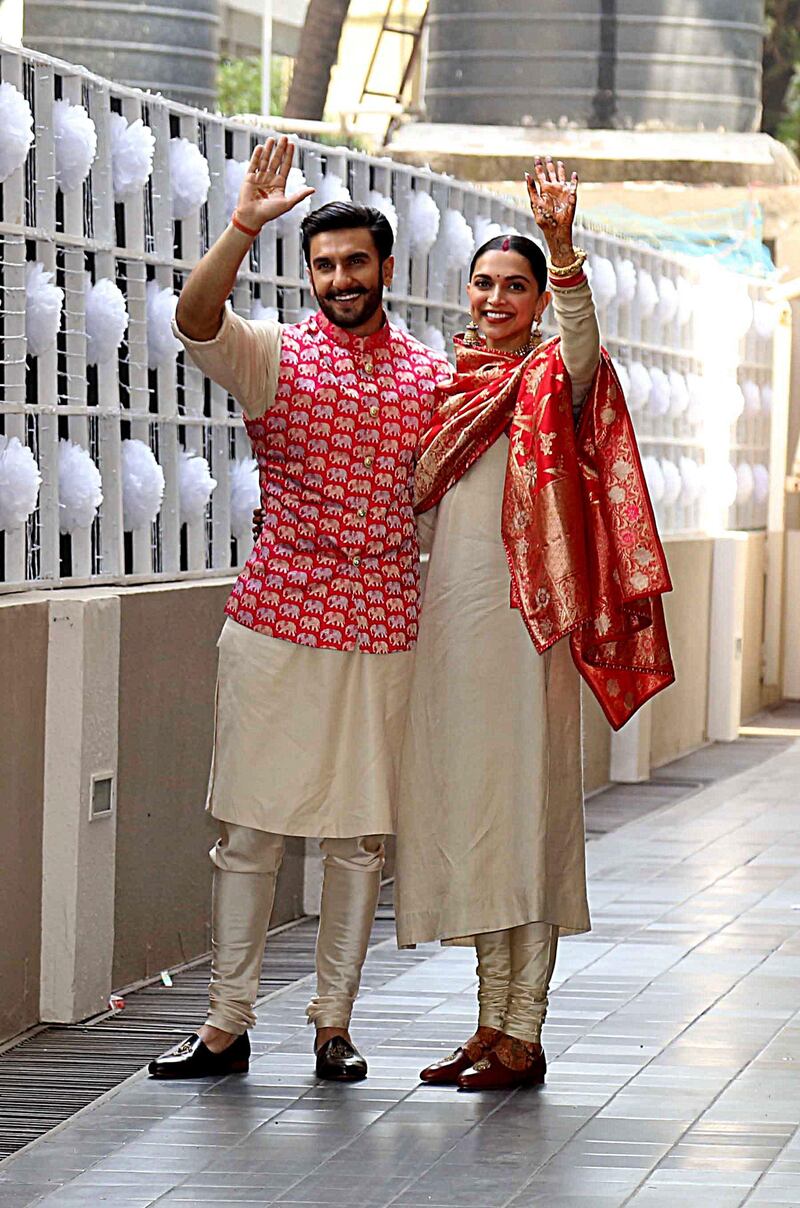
577,522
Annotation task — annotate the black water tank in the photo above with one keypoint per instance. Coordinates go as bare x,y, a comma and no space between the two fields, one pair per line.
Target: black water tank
659,64
168,46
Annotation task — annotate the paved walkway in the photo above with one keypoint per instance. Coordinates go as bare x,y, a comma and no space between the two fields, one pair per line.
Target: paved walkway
674,1043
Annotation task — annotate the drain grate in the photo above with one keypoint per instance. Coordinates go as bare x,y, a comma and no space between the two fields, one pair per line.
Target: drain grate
53,1074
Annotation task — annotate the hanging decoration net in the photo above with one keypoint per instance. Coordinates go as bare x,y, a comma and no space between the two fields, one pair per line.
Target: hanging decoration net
733,235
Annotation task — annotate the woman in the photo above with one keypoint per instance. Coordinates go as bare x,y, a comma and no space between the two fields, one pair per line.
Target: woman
490,828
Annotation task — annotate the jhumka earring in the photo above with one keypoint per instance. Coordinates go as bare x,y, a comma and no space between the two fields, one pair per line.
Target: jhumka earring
472,333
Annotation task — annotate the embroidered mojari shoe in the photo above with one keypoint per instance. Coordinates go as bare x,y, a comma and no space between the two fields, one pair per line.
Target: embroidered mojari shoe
340,1061
192,1059
446,1072
489,1074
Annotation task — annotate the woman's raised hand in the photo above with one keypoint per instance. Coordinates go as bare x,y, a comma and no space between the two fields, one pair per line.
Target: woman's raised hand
262,196
553,199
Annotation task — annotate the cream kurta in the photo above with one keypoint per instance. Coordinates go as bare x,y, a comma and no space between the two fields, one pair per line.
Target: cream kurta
490,825
306,741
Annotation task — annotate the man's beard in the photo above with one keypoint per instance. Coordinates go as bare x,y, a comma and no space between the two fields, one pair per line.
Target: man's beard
356,313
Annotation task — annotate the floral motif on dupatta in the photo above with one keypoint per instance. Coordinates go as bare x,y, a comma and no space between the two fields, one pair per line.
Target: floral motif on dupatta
577,524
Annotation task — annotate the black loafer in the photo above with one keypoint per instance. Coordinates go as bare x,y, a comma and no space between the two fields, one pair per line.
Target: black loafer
192,1059
338,1061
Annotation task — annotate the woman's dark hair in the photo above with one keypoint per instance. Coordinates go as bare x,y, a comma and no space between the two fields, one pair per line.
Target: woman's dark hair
524,247
346,216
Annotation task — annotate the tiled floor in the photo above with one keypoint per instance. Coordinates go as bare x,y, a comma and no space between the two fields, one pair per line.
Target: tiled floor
674,1045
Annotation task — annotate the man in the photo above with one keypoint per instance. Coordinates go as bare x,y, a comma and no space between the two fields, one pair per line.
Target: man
315,656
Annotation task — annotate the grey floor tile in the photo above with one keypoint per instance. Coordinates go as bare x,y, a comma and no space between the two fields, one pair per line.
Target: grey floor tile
673,1036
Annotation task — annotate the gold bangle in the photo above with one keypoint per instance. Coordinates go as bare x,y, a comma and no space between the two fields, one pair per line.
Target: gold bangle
567,270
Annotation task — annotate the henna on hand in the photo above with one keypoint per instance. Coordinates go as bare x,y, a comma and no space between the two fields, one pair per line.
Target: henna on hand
553,201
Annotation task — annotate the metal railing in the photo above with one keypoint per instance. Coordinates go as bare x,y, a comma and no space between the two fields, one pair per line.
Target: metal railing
57,395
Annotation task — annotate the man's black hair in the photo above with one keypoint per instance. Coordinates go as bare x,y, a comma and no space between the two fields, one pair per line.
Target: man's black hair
346,216
524,247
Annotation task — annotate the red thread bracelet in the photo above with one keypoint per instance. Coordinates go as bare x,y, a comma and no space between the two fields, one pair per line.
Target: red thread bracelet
241,227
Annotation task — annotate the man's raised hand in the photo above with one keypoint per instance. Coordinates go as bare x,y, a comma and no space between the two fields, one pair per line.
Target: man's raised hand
262,196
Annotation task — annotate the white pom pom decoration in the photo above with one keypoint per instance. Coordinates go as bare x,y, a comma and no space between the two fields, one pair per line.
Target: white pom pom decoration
736,307
766,398
16,122
75,139
667,307
398,321
672,482
640,386
685,300
660,393
245,495
646,294
162,345
623,376
698,398
721,483
259,312
380,201
760,482
189,176
654,477
752,397
434,338
745,482
79,487
424,220
604,281
626,281
195,485
691,481
289,221
43,303
106,320
485,230
142,485
678,394
235,171
732,400
19,483
459,241
332,188
764,319
132,149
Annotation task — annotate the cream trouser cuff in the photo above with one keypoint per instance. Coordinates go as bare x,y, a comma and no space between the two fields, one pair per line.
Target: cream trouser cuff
246,865
515,968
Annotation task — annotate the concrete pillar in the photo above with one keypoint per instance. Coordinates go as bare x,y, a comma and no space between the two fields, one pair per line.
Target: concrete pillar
791,623
630,749
728,576
80,776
